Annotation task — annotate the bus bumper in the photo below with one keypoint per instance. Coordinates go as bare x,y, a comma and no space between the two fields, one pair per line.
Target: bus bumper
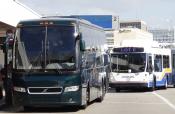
48,100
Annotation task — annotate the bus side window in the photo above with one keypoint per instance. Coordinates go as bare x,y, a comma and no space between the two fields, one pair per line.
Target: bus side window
158,63
166,61
90,61
149,66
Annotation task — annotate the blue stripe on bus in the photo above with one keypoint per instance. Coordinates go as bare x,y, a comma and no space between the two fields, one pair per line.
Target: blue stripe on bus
162,82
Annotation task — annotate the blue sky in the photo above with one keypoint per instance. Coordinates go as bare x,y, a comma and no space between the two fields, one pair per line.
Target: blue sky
156,13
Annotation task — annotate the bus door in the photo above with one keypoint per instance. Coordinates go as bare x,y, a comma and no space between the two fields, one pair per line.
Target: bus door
167,68
149,68
149,64
158,69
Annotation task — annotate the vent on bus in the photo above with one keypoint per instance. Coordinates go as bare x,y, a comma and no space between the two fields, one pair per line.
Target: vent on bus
44,90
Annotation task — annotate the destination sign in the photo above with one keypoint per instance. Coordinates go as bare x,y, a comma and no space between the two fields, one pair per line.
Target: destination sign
128,49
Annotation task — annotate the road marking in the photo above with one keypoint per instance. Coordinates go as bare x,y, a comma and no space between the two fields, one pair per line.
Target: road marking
110,102
165,100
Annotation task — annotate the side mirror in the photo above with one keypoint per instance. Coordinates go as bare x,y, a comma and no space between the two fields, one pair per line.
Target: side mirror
82,45
82,42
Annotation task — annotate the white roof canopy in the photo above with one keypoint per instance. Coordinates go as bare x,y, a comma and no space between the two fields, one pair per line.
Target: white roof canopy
11,12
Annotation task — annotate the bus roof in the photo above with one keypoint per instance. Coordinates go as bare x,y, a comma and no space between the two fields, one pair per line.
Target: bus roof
56,20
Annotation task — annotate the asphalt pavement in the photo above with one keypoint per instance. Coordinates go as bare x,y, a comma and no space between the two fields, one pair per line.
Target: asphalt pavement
124,102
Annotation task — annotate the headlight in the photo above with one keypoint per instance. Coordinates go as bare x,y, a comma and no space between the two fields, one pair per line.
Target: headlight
19,89
71,88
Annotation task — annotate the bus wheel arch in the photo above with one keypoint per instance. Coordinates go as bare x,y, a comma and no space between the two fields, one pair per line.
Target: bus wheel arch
154,82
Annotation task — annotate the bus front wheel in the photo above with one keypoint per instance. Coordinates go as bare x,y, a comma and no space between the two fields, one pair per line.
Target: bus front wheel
153,88
87,100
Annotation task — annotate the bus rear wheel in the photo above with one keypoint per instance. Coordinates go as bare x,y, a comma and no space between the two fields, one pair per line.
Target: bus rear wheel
103,91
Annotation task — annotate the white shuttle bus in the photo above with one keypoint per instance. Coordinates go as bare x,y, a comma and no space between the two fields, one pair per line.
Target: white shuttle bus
140,66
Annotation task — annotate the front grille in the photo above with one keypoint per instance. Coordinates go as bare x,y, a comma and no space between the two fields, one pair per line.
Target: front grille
44,90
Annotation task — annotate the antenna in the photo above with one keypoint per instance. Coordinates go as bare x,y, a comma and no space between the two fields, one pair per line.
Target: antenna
24,6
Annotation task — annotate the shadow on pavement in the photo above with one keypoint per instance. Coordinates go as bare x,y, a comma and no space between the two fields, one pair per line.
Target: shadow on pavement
50,110
135,90
9,109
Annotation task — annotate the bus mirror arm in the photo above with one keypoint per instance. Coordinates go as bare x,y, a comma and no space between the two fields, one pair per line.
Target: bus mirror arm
79,36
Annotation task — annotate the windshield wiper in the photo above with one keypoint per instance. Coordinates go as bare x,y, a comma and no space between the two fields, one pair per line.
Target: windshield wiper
57,69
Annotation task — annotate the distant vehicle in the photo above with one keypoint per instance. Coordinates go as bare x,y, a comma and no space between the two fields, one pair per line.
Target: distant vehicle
58,62
140,67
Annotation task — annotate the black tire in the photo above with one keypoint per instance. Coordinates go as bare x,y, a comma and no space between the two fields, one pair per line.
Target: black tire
166,84
103,91
28,108
84,106
153,88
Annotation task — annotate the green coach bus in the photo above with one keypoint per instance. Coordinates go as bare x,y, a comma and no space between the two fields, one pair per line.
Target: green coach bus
58,62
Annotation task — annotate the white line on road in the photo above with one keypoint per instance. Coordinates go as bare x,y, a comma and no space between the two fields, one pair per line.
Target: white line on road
165,100
110,102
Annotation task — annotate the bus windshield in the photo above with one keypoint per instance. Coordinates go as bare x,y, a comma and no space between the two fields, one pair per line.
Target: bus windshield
128,62
45,47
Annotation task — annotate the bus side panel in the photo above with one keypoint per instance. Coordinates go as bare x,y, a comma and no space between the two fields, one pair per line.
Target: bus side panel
162,77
